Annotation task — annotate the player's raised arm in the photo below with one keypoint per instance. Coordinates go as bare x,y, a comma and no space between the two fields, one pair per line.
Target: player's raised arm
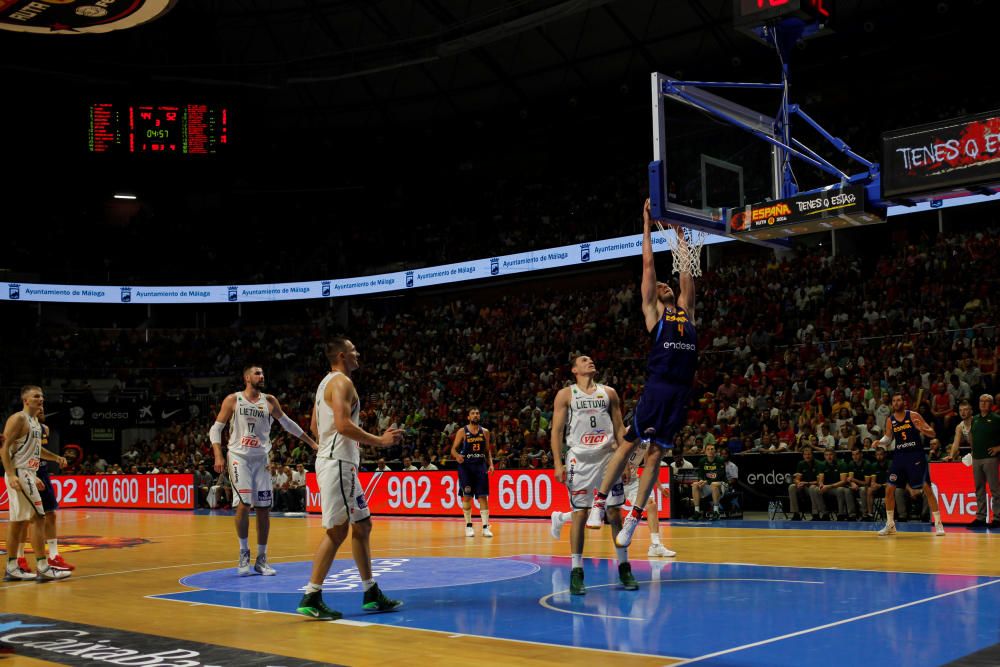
226,411
340,396
288,423
456,443
650,309
559,409
686,298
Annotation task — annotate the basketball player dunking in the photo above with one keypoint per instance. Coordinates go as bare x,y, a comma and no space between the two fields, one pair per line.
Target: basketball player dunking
249,414
335,422
662,409
590,417
472,450
909,463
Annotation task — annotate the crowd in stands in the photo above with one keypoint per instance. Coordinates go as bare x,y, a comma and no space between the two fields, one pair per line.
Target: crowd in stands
799,350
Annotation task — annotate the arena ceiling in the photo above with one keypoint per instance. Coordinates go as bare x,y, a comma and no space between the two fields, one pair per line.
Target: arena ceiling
321,63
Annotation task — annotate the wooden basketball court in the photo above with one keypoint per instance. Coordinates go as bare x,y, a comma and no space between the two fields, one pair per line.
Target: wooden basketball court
113,585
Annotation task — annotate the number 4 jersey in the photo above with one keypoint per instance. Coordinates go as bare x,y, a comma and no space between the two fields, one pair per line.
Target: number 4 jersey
250,427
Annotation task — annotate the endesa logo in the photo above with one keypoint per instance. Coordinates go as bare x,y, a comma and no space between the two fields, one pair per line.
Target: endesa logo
670,345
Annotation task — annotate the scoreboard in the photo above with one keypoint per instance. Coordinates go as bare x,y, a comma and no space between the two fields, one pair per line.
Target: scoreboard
158,129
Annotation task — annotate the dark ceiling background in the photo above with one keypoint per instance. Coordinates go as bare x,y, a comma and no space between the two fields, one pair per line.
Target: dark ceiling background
361,111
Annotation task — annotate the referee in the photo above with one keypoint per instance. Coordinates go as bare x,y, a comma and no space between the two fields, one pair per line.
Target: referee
985,434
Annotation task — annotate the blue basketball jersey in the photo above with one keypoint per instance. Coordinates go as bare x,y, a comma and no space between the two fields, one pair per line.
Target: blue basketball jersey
673,356
473,447
905,434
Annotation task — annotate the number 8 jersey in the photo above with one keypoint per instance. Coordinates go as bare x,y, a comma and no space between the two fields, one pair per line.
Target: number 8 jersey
250,427
589,430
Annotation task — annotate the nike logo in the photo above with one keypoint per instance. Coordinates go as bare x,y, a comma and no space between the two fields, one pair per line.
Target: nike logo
167,415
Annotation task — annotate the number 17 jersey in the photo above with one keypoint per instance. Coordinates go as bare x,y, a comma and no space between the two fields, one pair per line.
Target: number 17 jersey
250,427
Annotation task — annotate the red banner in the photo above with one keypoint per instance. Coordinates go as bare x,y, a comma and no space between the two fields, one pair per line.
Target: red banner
166,492
955,491
513,493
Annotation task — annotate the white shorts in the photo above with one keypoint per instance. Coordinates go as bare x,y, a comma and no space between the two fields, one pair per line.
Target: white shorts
632,490
583,476
340,492
251,480
26,504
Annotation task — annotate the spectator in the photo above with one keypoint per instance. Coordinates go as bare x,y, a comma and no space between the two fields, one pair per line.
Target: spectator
832,483
711,482
805,486
859,477
878,479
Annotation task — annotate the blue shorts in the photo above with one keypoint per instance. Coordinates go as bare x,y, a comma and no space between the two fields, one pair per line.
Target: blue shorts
661,413
49,502
473,480
909,469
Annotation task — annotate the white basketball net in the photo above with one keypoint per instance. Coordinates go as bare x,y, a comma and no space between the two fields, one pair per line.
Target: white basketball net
687,251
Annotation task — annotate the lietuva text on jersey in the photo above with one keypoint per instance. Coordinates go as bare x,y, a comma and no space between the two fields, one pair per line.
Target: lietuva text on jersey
905,434
589,429
674,352
474,447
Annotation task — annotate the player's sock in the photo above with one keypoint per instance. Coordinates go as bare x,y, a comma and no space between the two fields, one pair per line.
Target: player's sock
577,560
53,548
484,514
600,499
637,513
716,508
244,544
261,549
468,516
622,554
936,516
367,583
654,538
20,550
313,588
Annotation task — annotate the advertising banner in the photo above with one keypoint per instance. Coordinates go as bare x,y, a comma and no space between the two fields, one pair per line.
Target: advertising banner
956,492
535,260
163,492
513,493
946,155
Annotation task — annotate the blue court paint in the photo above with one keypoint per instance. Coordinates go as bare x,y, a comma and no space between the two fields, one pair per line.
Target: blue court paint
395,574
750,615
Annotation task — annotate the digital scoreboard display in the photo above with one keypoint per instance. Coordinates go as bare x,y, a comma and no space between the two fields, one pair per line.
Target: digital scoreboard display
157,129
939,158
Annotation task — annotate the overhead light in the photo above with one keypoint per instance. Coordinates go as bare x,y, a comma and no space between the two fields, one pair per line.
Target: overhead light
122,195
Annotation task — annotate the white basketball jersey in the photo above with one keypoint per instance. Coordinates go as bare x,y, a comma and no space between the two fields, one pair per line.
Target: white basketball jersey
26,451
250,427
589,429
332,444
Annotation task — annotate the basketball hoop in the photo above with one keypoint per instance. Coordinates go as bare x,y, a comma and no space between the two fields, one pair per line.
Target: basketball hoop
686,253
